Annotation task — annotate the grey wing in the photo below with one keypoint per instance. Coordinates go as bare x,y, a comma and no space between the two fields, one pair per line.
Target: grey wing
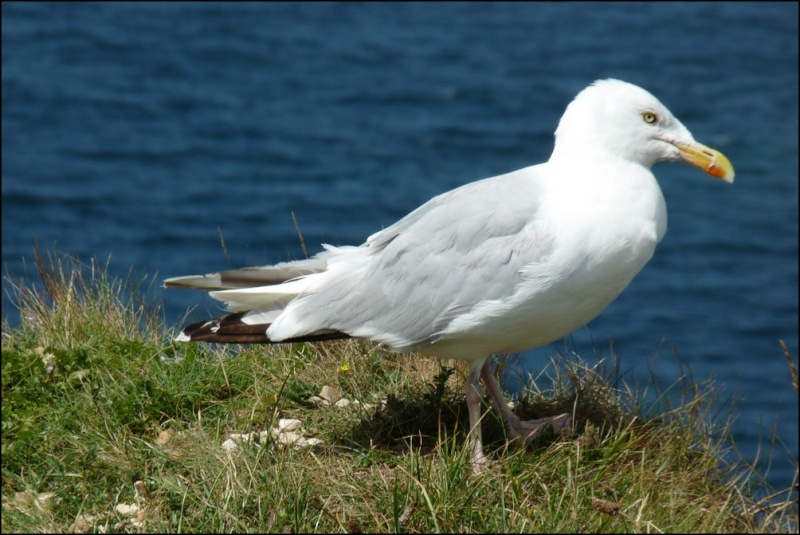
443,260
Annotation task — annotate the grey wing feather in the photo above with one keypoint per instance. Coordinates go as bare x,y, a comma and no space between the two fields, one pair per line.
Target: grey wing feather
251,276
471,242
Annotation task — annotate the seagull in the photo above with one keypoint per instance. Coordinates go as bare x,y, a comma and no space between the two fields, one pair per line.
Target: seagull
495,266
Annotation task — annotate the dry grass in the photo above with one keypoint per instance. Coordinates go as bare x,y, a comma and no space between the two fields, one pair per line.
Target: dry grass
109,425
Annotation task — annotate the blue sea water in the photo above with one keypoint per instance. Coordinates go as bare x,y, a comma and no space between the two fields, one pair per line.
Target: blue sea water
142,131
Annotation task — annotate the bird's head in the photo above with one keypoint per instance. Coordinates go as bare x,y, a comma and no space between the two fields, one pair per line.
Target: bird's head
618,119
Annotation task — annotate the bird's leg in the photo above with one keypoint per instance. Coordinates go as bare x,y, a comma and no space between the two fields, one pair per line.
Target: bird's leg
518,429
479,460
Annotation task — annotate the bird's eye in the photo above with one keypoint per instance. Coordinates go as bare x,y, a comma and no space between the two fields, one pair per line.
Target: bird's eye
650,117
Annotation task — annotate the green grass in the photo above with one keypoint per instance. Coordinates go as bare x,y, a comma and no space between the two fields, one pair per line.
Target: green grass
102,409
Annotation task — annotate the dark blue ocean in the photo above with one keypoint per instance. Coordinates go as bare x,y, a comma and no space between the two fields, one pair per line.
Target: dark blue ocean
141,131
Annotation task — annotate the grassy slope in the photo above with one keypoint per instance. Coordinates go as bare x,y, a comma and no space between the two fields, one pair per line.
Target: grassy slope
101,410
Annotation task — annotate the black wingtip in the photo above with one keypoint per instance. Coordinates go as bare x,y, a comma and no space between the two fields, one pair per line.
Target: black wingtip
232,330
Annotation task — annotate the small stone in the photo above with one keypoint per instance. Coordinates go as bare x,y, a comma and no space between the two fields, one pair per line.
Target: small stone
289,424
83,524
24,498
164,437
43,500
290,438
330,394
127,509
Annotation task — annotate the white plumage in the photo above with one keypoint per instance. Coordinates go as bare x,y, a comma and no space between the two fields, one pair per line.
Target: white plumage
496,266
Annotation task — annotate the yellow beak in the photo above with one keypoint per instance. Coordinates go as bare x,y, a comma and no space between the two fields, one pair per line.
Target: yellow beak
709,160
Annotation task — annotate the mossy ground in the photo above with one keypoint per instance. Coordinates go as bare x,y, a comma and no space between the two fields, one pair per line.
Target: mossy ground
109,425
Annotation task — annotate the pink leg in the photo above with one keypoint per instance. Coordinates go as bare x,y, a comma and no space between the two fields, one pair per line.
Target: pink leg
528,430
479,460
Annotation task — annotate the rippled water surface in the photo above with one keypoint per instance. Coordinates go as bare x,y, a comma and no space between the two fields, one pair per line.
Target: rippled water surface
141,131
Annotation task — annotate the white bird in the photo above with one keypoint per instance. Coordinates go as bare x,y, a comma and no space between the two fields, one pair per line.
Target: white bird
500,265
